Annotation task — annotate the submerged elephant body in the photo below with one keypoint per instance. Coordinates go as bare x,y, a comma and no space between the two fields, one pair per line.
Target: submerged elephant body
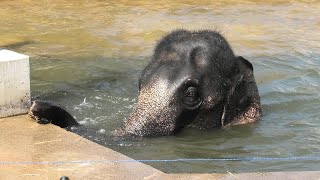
193,80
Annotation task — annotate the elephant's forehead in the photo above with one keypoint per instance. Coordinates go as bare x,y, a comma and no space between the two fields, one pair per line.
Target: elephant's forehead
196,53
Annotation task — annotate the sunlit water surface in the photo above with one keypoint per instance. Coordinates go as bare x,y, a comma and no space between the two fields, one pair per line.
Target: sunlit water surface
87,55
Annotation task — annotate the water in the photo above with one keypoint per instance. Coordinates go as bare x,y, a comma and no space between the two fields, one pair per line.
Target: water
87,55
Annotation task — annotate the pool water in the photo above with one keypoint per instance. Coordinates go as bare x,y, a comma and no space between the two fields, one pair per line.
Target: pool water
87,55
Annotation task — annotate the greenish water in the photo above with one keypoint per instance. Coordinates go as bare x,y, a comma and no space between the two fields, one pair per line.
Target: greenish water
87,55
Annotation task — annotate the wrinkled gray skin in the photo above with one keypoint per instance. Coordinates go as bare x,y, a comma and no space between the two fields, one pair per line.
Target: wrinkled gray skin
193,80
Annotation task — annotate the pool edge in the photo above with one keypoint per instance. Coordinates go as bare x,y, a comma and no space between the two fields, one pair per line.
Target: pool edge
25,144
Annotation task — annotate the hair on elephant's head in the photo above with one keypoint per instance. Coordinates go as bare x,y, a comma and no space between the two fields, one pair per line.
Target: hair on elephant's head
193,80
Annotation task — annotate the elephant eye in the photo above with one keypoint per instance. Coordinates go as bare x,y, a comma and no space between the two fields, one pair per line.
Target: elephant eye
192,99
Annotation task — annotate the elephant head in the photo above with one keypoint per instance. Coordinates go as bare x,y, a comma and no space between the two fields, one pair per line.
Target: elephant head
193,80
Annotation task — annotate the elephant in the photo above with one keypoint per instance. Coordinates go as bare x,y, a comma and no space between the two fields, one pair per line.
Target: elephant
193,80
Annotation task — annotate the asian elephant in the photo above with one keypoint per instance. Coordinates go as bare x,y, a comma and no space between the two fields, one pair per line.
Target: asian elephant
193,80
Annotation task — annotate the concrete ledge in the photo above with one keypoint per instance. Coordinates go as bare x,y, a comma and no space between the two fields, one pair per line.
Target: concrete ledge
14,83
24,140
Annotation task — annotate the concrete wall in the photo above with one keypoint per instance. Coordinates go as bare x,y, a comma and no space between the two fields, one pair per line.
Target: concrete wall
14,83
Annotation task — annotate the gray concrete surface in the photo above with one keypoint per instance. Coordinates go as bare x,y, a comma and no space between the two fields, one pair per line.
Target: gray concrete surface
22,140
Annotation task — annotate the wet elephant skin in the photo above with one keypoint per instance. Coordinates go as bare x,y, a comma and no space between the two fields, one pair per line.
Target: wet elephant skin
193,80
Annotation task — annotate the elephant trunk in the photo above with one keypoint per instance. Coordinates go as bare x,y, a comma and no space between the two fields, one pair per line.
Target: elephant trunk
154,114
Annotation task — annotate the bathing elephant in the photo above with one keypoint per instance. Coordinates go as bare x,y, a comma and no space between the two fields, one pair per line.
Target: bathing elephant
193,80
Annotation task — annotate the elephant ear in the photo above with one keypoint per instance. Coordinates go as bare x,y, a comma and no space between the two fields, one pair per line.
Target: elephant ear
243,101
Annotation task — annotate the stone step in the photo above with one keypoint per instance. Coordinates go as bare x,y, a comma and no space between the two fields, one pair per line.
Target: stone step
14,83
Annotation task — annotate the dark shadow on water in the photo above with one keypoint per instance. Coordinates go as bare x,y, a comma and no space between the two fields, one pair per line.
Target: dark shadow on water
17,45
